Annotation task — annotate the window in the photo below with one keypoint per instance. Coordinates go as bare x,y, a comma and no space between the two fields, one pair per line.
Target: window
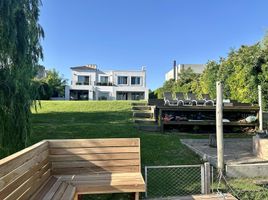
82,80
122,80
135,80
137,95
104,79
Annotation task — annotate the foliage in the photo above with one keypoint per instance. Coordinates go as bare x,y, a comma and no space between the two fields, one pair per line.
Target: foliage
208,79
20,51
241,72
52,85
188,81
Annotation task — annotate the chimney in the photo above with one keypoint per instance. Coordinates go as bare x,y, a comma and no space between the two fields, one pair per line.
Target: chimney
174,70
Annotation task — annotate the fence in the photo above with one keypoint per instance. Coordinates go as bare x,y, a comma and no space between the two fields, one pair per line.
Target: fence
241,188
177,180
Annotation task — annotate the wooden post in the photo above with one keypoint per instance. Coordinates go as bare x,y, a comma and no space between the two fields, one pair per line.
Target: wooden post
260,111
219,127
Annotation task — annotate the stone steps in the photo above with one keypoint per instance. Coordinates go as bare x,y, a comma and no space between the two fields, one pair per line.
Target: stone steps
145,121
144,117
139,104
143,114
152,128
141,108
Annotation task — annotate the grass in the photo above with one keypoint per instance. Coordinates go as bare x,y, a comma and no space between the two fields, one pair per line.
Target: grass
110,119
107,119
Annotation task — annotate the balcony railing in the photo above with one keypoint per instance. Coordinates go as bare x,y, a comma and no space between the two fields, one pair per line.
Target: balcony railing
82,83
104,84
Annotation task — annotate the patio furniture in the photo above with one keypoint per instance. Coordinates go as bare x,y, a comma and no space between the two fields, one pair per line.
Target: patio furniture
195,100
181,100
168,99
208,100
64,169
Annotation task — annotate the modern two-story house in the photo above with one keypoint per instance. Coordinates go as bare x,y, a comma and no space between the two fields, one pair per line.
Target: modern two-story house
90,83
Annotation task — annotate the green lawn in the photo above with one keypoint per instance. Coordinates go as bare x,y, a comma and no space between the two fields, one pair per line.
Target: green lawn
106,119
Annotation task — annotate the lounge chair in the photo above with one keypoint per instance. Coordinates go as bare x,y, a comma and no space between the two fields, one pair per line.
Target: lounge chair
168,99
208,100
181,100
195,100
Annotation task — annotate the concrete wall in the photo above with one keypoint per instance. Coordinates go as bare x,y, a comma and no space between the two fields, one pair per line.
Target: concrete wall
247,170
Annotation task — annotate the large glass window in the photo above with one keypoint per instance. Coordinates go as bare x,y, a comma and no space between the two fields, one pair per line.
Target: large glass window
135,80
104,79
122,80
82,80
137,95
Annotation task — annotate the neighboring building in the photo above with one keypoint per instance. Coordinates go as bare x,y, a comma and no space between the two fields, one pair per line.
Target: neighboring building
90,83
176,70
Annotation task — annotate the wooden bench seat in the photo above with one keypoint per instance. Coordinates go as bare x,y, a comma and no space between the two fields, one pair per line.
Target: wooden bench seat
64,169
106,183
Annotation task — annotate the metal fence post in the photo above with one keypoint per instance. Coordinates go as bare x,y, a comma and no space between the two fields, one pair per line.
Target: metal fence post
207,177
212,178
146,182
202,179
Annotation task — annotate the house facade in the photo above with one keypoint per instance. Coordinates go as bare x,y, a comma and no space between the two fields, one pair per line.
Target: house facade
90,83
177,69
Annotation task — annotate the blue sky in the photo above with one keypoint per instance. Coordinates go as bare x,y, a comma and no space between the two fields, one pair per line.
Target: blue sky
127,34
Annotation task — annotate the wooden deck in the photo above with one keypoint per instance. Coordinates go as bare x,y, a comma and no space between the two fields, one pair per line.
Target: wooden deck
206,116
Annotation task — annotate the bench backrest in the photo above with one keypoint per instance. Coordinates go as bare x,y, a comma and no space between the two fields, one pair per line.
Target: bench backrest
23,173
87,156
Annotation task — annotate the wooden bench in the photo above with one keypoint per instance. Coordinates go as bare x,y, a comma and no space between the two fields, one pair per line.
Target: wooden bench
64,169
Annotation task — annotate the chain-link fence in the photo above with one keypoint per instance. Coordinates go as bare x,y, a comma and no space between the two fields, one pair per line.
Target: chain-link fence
179,180
241,188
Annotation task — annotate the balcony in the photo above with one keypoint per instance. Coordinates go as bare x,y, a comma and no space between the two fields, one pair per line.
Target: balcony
104,84
82,83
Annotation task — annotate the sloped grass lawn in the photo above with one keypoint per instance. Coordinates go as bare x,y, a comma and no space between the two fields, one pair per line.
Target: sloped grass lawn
106,119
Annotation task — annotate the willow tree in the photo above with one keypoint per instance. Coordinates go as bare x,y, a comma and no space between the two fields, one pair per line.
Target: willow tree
20,51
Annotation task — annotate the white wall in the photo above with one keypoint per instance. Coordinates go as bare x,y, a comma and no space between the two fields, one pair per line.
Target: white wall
113,77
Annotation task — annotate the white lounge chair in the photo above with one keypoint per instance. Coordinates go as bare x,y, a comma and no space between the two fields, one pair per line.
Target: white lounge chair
168,99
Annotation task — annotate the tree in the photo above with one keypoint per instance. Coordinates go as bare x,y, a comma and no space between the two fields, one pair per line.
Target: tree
208,79
20,51
52,85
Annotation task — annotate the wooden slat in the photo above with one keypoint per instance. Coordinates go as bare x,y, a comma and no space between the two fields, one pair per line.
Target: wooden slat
24,177
69,193
26,187
35,186
70,151
49,195
81,143
84,189
92,170
100,176
60,191
15,160
113,156
114,163
27,167
43,190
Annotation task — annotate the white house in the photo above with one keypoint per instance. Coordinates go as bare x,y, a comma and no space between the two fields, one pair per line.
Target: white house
90,83
176,70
